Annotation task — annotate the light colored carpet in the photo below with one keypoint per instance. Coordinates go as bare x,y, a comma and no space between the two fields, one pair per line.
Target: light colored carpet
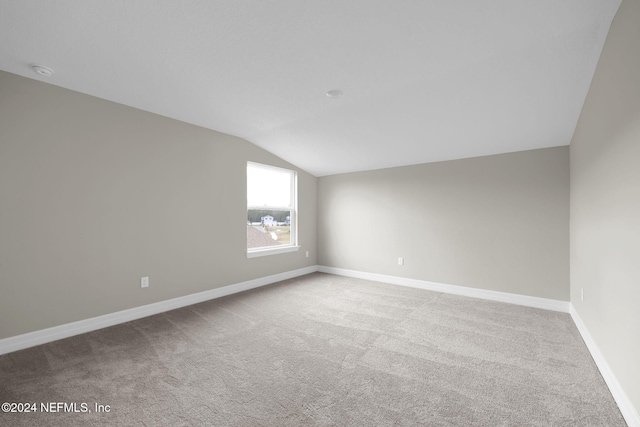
320,350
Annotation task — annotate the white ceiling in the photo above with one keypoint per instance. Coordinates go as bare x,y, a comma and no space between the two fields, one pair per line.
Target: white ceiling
423,81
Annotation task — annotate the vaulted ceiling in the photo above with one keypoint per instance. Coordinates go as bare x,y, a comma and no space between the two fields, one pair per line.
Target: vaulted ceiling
421,81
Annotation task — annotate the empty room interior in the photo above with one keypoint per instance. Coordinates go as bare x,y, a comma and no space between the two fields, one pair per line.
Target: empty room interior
247,213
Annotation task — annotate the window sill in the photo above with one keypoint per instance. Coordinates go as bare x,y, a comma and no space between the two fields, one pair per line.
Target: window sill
272,251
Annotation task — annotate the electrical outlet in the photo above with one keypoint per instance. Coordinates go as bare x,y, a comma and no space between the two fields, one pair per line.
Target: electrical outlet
307,254
144,282
400,261
582,294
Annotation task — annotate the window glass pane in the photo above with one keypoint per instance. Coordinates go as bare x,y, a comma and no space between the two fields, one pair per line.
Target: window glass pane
266,228
271,204
268,187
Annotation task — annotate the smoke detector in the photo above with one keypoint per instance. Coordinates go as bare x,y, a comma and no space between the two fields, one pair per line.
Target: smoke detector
42,70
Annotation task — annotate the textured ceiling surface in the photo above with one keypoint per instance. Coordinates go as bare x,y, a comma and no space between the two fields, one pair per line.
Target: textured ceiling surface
423,81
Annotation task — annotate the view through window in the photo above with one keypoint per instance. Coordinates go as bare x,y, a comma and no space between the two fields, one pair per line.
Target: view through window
271,207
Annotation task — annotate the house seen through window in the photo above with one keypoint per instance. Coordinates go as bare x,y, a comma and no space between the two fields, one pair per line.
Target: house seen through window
271,210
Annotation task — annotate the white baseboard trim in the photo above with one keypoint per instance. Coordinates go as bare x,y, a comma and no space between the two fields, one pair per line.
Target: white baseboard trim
31,339
19,342
627,409
544,303
629,412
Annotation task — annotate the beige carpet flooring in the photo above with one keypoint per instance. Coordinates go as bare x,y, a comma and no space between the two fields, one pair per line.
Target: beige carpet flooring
319,350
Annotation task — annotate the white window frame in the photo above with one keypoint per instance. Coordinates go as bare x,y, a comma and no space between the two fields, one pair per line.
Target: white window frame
293,245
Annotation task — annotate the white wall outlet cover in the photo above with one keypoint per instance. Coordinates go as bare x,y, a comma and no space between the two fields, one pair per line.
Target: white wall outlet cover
144,282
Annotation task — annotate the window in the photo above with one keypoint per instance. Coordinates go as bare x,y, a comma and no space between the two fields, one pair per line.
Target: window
271,210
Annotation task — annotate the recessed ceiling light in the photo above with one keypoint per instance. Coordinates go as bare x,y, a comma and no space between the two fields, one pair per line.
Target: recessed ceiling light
335,93
42,70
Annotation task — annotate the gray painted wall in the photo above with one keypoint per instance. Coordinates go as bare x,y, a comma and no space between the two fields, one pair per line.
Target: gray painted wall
497,222
94,195
605,203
